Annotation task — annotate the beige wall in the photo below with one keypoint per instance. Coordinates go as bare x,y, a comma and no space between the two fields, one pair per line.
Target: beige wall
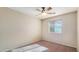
68,36
78,29
17,29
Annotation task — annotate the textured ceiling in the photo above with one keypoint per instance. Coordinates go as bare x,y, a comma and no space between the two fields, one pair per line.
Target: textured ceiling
33,12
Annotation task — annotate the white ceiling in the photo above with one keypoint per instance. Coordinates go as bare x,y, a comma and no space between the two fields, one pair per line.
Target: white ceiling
33,12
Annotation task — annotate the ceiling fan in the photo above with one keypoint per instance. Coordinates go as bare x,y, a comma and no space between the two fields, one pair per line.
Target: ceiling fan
45,10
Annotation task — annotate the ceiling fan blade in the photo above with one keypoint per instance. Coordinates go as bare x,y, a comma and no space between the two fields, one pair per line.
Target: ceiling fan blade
38,14
51,13
38,10
43,9
49,8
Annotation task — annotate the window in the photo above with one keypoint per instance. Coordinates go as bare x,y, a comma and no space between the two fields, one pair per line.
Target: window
55,26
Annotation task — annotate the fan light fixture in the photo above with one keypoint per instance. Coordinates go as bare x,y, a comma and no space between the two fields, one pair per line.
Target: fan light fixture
44,13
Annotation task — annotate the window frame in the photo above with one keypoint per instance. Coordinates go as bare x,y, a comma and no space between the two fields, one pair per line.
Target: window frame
49,26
